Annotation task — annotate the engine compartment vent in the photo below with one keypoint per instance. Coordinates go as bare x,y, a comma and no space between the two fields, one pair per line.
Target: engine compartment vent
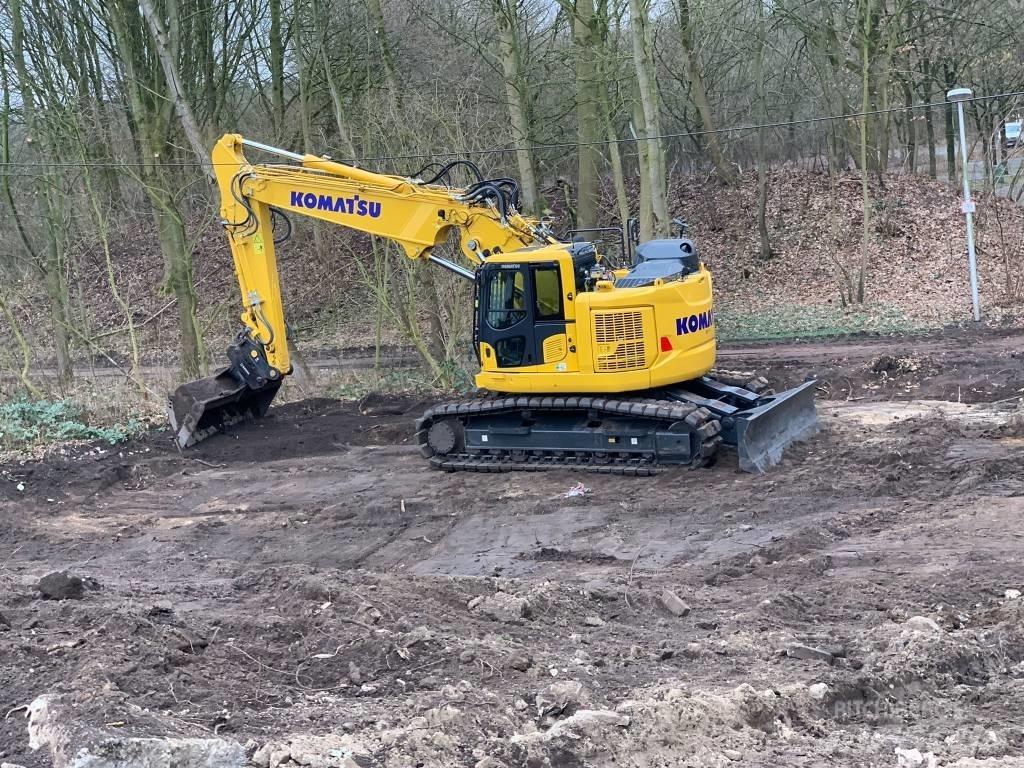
619,341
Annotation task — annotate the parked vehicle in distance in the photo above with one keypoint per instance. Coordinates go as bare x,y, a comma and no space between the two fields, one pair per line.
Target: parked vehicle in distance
1012,131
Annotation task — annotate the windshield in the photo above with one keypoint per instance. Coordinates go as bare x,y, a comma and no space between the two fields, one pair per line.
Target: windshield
1013,129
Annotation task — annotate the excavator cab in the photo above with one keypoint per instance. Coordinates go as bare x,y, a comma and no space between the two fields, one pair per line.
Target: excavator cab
524,305
521,308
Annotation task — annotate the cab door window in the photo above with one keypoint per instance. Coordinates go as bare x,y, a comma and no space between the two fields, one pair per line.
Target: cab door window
547,290
506,298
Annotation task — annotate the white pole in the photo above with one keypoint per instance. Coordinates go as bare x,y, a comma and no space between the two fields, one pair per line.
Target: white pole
968,207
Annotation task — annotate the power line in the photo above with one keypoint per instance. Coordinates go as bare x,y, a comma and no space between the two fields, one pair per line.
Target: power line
688,134
531,146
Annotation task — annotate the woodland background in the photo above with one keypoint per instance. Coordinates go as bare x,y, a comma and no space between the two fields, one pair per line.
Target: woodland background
794,136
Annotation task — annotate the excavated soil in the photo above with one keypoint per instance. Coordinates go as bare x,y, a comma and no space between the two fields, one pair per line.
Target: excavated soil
308,583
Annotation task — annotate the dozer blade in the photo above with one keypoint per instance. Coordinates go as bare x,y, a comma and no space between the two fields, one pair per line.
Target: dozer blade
204,406
764,432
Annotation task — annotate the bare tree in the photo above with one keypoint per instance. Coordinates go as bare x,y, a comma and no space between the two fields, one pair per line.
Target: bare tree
166,50
49,259
517,96
653,175
698,93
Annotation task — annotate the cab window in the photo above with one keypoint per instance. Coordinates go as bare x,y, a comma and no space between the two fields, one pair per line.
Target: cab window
547,288
506,298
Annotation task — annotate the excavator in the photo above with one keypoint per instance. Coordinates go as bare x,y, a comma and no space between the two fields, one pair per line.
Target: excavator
582,365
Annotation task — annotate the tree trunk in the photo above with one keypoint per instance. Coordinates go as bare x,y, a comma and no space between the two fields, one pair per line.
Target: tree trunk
517,99
933,166
380,33
435,338
24,347
344,135
48,262
911,130
883,66
151,119
173,244
646,213
699,96
929,117
648,93
618,172
276,69
762,139
303,64
950,145
585,50
950,132
176,91
864,120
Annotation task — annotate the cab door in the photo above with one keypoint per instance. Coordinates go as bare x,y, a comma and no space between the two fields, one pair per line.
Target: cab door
520,306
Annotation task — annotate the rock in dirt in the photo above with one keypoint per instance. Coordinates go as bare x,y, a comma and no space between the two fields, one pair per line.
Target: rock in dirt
502,607
838,651
53,724
818,691
189,642
563,697
923,624
597,589
914,758
585,722
693,650
673,603
261,757
519,662
380,404
4,622
716,578
593,621
331,751
314,588
61,585
809,653
468,656
452,694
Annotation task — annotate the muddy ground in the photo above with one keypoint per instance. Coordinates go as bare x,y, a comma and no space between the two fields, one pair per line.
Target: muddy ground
307,583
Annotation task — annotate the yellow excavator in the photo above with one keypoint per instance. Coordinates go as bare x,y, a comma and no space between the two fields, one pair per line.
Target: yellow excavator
581,365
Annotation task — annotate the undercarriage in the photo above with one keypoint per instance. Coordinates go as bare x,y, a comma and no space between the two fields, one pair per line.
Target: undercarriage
675,426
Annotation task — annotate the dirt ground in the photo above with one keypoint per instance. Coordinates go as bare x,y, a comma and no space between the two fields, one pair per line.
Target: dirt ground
307,583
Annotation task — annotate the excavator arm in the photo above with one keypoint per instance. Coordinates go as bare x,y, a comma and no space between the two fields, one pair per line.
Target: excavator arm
417,216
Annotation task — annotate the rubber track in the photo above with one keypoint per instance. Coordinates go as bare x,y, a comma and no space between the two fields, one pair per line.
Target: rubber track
701,422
